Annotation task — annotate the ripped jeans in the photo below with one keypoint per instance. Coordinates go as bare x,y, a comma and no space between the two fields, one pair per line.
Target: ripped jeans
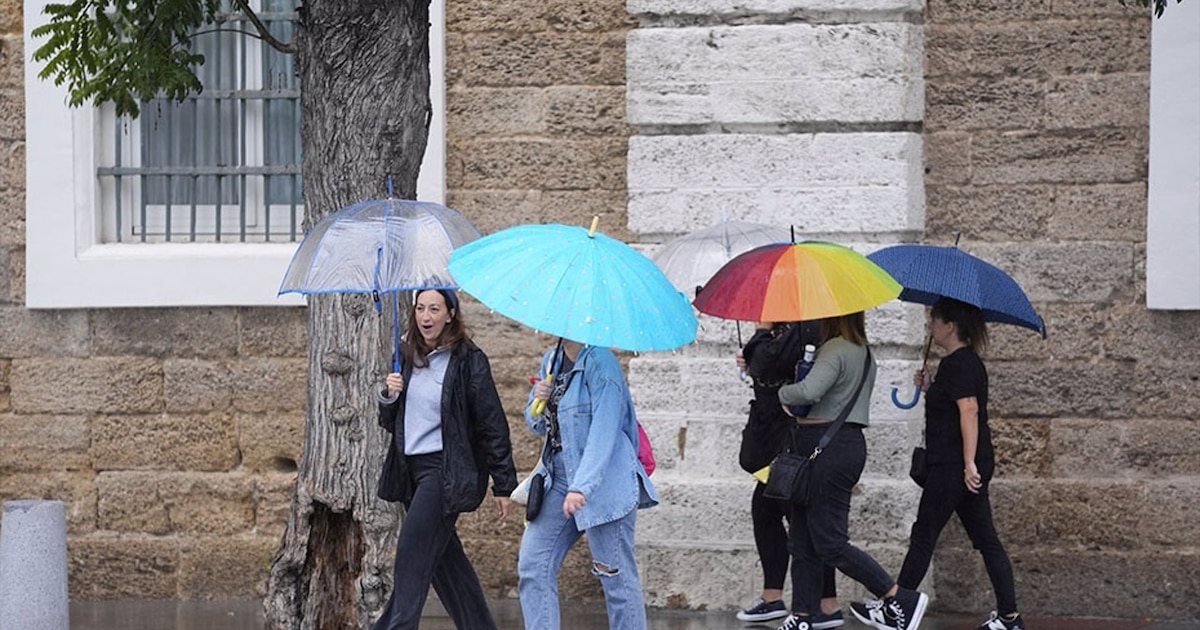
544,546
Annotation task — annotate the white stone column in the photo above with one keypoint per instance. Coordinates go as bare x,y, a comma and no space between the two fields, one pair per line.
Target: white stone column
803,113
33,566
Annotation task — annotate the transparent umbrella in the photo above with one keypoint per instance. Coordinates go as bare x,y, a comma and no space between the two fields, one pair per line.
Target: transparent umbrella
380,246
692,259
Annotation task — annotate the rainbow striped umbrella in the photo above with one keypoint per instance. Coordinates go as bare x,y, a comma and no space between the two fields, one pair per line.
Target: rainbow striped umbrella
788,282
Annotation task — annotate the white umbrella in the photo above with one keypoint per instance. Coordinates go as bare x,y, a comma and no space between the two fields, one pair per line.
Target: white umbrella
692,259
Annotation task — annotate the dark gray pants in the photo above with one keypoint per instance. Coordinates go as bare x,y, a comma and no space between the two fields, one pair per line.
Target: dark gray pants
429,551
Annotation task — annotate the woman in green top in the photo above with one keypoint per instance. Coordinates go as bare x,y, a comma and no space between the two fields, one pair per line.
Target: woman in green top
820,529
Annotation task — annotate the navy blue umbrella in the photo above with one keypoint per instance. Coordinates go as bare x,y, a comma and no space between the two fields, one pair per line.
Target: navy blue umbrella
930,272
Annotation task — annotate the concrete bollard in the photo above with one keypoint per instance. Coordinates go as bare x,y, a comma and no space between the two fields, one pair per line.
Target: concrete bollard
33,566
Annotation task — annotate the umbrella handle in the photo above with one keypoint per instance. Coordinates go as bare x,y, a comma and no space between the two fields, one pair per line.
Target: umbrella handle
539,405
908,405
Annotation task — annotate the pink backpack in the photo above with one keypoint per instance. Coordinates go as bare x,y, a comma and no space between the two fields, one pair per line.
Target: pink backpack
645,451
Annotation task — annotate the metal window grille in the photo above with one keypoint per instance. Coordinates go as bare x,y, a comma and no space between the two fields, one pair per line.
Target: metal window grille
221,166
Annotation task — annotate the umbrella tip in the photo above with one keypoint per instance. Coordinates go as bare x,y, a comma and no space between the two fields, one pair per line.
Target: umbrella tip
595,224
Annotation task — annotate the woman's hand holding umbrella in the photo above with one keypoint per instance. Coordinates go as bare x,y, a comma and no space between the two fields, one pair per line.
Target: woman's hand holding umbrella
395,384
541,394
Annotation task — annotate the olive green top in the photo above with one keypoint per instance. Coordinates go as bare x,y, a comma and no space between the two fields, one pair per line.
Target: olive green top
831,382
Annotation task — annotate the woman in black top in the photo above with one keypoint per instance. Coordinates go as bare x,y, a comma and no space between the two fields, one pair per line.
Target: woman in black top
960,459
769,358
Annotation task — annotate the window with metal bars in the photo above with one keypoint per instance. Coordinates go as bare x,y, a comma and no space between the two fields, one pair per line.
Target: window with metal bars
221,166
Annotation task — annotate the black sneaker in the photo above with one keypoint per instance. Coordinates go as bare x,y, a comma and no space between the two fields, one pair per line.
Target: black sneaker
902,612
997,622
822,621
763,610
795,622
869,612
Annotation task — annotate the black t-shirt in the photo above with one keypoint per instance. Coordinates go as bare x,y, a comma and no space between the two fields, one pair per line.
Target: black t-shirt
960,375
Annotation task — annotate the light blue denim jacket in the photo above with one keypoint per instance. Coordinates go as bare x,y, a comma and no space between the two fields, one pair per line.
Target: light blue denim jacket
600,439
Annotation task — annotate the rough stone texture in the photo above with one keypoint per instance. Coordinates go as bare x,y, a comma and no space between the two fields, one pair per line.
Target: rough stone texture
72,488
12,116
165,442
93,385
43,333
270,384
196,385
124,568
272,332
230,567
44,442
175,503
270,442
272,503
10,17
191,332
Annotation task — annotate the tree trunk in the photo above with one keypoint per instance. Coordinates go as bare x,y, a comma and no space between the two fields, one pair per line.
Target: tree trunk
365,108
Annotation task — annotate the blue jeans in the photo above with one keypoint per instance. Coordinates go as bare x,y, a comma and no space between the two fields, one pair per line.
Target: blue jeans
821,530
544,546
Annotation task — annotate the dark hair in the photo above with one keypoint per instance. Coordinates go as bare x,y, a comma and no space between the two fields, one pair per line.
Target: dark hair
851,327
967,320
415,350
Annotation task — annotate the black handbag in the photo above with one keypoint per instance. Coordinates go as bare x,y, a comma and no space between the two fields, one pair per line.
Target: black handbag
917,470
790,477
537,492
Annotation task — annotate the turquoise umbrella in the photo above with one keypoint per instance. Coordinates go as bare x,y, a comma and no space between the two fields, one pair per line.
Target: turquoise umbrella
577,284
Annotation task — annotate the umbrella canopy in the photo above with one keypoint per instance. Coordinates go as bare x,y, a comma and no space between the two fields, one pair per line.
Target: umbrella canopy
691,260
929,272
584,286
379,246
791,282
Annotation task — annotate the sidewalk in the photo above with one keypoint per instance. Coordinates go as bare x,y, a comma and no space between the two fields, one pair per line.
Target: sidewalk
247,615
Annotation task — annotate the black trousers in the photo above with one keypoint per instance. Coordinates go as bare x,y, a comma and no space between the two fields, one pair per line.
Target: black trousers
771,540
946,494
820,533
428,551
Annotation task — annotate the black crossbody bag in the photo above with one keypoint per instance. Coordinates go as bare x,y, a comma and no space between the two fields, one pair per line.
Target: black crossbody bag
791,473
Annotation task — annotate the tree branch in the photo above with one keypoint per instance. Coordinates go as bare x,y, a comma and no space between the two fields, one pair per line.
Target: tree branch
263,33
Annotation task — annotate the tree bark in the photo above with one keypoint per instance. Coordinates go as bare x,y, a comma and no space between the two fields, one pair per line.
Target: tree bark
365,108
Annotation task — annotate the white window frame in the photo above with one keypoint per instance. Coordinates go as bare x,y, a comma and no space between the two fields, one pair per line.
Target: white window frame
1173,195
69,266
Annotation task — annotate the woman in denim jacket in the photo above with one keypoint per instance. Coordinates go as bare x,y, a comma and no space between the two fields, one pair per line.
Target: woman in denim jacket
594,484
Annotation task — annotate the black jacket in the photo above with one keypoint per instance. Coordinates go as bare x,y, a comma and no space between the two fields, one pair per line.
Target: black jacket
475,440
771,356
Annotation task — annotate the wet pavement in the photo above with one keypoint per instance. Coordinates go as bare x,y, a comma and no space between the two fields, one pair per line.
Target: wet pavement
247,615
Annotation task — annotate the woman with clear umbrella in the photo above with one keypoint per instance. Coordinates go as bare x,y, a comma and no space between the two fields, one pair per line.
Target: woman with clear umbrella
449,435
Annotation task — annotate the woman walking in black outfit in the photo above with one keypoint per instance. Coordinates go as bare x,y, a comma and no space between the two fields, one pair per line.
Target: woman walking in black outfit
960,461
769,358
449,434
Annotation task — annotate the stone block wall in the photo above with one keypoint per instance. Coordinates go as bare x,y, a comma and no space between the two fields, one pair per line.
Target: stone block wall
804,114
172,434
1036,135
